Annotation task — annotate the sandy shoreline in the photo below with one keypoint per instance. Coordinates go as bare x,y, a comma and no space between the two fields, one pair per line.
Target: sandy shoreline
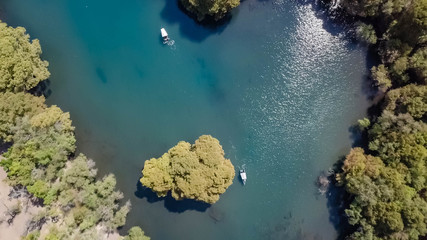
18,227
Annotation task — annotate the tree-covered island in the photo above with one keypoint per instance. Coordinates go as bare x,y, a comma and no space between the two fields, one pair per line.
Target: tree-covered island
197,171
216,9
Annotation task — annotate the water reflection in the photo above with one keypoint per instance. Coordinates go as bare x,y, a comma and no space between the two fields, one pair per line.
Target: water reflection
171,204
287,86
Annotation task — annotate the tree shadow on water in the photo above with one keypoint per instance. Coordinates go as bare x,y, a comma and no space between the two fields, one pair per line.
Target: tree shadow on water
337,201
170,203
42,89
175,13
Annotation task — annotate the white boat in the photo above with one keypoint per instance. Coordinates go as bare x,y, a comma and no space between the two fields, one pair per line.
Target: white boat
164,35
243,176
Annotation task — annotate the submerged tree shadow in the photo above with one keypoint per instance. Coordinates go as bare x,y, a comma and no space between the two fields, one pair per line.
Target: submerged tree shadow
42,89
175,13
170,203
358,137
101,74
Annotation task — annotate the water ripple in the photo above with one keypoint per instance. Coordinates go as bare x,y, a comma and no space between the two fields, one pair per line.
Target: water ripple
292,101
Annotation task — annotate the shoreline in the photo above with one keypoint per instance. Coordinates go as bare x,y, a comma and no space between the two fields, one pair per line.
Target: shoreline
17,228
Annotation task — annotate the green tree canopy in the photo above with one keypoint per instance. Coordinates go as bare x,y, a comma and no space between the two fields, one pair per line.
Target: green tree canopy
383,207
197,171
363,123
401,142
410,99
389,189
42,143
419,63
366,33
14,106
80,173
213,8
41,147
136,233
381,77
20,65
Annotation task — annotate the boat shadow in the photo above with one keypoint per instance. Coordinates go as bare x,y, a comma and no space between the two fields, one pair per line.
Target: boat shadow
170,203
174,13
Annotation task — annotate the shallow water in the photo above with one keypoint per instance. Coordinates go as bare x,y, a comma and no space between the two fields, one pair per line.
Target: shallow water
278,85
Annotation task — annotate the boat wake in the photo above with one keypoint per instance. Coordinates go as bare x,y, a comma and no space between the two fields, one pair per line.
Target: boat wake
171,44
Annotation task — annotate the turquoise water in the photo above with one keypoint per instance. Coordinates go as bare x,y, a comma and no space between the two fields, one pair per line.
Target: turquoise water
278,85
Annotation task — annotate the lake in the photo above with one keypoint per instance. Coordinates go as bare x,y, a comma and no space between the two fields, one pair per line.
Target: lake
278,84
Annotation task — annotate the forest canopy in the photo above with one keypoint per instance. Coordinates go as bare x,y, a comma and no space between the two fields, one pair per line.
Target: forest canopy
387,182
40,162
197,171
21,67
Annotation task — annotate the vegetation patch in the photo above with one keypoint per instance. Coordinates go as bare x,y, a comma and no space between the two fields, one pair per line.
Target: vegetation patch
387,181
40,164
197,171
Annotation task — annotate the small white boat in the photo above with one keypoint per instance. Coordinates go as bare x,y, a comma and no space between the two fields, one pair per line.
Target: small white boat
243,176
164,35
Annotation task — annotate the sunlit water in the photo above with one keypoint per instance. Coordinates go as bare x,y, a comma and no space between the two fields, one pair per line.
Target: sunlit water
278,85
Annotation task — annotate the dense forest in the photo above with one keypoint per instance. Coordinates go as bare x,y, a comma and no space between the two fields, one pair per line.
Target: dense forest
40,161
387,179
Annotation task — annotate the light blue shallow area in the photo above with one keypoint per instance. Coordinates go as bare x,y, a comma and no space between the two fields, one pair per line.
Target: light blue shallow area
278,85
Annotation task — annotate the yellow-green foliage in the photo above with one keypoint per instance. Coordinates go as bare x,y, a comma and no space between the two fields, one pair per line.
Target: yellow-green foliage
197,171
381,77
410,99
32,236
20,65
136,233
157,174
384,205
366,33
53,117
42,145
401,26
14,106
388,189
42,142
213,8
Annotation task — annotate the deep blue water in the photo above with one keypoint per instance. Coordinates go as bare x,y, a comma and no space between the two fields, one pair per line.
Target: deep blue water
278,85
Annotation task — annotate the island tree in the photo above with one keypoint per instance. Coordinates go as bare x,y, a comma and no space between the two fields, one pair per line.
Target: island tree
197,171
215,9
